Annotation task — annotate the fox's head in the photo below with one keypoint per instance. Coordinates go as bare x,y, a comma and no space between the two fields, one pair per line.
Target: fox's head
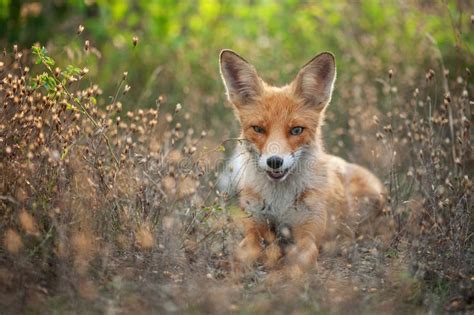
280,125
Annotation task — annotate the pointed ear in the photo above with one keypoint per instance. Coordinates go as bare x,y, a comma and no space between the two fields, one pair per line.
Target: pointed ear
240,78
315,81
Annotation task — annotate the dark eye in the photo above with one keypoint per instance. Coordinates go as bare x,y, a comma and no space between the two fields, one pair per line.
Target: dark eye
258,129
296,131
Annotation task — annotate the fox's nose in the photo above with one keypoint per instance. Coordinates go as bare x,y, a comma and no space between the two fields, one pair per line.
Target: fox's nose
274,162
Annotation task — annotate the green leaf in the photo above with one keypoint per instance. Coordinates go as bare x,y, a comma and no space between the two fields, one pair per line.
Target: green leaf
41,56
65,152
49,61
69,106
71,70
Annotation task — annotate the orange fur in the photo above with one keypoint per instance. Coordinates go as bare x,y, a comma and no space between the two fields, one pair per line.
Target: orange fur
277,113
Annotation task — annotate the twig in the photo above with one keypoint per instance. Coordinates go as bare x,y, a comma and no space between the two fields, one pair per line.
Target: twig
9,199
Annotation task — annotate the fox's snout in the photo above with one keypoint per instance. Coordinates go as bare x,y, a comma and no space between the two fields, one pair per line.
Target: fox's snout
278,162
275,156
277,166
275,162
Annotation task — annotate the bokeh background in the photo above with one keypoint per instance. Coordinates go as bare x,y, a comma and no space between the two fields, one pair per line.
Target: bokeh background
178,42
112,135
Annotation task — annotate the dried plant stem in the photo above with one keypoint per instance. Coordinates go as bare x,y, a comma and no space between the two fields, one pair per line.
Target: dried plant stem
84,111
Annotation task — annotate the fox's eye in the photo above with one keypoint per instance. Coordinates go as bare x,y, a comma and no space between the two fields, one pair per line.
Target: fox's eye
258,129
296,131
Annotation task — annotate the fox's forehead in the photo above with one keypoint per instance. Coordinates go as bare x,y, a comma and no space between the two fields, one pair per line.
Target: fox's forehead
279,100
278,107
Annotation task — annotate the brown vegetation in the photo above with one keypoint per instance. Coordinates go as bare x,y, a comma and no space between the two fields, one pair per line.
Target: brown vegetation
103,210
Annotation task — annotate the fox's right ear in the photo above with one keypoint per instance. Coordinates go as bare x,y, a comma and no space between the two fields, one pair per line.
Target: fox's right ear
240,78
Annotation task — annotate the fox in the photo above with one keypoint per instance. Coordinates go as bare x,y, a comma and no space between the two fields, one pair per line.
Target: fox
294,194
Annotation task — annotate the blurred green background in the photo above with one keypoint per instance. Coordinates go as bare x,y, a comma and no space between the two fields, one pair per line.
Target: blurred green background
179,42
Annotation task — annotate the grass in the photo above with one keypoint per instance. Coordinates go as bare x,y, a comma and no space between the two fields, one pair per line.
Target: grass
105,210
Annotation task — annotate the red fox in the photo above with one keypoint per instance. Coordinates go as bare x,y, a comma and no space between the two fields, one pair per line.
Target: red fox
296,195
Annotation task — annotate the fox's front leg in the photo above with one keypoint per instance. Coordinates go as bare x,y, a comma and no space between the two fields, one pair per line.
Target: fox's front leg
259,244
251,247
255,231
308,233
303,254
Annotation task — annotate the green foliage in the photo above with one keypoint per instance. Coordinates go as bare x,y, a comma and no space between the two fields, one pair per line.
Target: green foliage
179,41
55,81
391,253
45,79
41,56
71,71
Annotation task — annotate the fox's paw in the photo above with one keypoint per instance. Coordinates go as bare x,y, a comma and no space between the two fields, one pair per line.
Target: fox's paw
302,256
248,251
271,255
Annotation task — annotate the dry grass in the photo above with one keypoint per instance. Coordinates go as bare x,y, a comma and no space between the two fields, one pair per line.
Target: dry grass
104,210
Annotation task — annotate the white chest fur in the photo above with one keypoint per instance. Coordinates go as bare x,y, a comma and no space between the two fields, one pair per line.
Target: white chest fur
279,199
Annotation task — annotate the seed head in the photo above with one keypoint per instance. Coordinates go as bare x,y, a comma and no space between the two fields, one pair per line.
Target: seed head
429,75
126,89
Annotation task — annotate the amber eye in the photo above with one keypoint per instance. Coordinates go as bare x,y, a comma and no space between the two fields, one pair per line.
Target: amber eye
258,129
296,131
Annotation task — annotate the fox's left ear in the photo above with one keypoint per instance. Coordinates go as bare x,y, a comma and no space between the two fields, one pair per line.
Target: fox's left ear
315,81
